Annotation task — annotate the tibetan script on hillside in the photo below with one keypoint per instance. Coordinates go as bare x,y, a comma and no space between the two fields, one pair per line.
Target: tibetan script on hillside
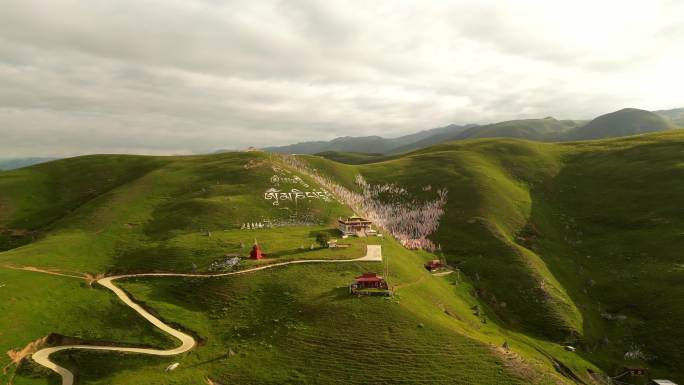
295,195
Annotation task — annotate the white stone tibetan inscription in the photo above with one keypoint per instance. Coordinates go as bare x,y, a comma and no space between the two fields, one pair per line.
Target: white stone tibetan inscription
278,196
278,179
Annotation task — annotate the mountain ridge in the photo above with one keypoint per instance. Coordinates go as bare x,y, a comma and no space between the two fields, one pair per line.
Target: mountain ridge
373,143
627,121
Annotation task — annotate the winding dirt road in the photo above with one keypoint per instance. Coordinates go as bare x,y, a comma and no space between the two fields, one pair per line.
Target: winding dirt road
42,356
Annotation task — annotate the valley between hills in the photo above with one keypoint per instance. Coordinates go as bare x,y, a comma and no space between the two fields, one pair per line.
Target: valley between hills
563,261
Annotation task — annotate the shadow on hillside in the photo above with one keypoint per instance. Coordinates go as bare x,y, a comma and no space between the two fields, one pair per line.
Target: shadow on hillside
332,233
336,294
209,361
608,228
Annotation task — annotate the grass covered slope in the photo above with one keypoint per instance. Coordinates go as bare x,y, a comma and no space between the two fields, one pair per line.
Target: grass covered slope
299,325
294,324
32,198
489,202
625,122
50,309
615,235
572,243
577,243
161,215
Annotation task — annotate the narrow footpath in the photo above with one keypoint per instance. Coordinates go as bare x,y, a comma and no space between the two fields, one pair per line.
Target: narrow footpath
42,356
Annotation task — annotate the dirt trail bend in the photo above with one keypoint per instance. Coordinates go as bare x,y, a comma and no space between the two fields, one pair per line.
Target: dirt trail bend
37,270
42,356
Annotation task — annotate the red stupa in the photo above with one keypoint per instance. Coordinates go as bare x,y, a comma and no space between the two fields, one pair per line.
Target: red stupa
256,251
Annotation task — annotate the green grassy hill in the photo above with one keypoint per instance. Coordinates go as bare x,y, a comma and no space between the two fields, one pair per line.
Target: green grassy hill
571,243
628,121
577,242
488,204
547,129
125,214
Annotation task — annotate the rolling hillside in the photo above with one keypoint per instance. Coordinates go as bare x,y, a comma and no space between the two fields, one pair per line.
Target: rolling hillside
89,216
557,244
577,243
628,121
547,129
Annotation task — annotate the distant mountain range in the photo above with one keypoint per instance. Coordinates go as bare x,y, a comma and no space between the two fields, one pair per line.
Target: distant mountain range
676,116
14,163
360,149
625,122
369,144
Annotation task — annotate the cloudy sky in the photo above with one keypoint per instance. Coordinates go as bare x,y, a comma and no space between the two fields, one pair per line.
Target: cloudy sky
181,76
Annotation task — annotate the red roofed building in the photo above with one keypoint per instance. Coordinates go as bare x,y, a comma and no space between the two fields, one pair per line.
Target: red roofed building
256,251
370,281
435,264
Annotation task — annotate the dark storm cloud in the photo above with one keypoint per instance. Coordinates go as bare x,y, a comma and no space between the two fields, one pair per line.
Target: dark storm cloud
191,76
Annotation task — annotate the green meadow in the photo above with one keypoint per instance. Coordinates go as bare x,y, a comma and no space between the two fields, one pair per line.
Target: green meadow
555,244
576,243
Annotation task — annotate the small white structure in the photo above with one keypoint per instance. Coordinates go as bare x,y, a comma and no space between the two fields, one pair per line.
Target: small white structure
172,367
662,382
332,244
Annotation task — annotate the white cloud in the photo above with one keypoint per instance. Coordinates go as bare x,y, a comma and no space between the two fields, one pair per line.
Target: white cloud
181,76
